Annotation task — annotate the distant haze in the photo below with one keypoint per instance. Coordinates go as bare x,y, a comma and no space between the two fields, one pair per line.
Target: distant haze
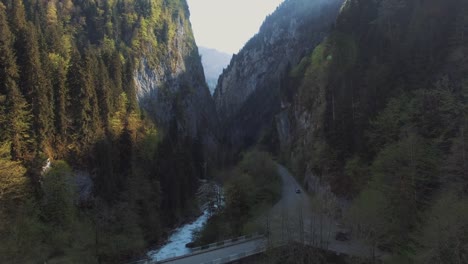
226,25
213,62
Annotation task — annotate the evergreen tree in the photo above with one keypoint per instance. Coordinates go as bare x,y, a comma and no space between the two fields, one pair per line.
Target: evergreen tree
116,75
59,196
84,101
35,86
103,86
60,68
14,186
129,87
17,116
18,16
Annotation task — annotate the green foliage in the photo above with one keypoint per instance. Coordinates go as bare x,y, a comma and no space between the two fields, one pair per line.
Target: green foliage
253,185
444,236
117,121
180,162
342,52
358,172
387,127
14,185
67,91
381,115
59,196
21,235
369,212
239,198
407,172
16,113
299,70
118,233
63,57
319,57
260,166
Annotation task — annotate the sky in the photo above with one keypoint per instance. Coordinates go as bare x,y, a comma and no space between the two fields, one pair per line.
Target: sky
226,25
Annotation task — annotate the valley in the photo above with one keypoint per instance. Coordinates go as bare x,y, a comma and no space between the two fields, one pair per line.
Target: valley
336,134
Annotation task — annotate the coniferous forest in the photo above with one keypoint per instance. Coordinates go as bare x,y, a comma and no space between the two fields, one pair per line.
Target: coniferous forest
67,93
375,112
108,129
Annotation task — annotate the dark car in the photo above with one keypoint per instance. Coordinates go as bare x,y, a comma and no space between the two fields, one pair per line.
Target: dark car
342,236
298,190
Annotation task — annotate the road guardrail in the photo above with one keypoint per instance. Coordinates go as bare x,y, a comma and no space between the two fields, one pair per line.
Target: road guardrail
238,256
213,246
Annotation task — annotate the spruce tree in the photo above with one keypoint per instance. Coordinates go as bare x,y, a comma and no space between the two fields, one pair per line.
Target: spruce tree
103,86
35,85
84,102
17,116
130,88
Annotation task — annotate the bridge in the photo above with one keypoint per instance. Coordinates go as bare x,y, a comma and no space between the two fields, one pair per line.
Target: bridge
292,220
221,252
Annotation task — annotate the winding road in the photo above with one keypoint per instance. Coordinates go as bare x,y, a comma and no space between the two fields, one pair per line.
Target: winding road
293,219
296,217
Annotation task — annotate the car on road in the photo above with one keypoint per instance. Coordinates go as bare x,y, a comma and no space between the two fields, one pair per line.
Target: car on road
343,235
298,190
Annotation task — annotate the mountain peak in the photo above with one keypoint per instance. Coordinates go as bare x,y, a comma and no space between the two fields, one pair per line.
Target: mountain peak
214,61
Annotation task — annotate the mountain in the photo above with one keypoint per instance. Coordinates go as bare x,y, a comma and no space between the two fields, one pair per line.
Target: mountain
214,63
105,124
247,95
373,114
378,112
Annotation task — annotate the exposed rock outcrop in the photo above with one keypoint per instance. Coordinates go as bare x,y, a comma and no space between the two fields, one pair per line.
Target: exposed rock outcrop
248,93
174,90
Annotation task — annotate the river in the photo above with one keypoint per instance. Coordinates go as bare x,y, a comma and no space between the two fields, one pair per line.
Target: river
177,241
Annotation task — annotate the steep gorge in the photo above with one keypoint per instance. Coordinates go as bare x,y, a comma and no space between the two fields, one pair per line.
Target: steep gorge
376,109
175,88
248,93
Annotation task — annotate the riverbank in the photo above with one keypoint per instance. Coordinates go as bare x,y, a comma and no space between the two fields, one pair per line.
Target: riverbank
176,244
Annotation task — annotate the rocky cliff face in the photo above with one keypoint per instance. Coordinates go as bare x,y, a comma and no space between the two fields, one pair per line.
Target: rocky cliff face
174,90
248,92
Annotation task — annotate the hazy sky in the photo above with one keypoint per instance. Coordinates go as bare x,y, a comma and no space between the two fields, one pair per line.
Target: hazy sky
226,25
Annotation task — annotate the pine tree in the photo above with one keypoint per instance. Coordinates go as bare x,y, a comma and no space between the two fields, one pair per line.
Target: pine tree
18,16
116,75
84,102
35,85
16,109
92,67
61,97
130,88
103,86
14,185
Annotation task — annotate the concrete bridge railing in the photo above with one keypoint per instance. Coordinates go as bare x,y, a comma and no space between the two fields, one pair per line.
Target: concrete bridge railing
239,256
202,249
227,242
211,247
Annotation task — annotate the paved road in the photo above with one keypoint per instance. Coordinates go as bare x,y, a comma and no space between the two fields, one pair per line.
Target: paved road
220,253
297,217
294,214
294,218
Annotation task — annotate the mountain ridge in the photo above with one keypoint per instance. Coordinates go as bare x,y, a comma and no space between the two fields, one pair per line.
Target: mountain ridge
214,62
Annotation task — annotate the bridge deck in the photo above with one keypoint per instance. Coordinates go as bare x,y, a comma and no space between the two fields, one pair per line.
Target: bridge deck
223,254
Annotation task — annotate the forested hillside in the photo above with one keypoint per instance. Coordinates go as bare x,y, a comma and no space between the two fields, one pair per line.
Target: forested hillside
70,73
379,111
